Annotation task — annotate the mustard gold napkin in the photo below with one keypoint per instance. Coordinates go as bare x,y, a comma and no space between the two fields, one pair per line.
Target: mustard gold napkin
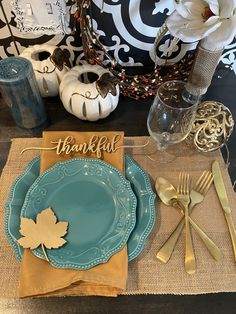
39,278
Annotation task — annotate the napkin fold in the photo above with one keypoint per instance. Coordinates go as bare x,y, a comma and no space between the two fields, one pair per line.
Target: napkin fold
38,277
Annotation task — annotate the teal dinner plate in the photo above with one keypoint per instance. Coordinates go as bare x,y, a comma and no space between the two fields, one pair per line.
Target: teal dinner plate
15,202
97,202
146,207
140,183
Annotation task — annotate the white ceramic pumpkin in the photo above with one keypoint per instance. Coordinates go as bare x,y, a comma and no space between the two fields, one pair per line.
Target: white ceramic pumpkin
81,97
47,74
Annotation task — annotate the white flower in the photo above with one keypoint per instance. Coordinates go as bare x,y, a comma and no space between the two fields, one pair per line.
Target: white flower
213,20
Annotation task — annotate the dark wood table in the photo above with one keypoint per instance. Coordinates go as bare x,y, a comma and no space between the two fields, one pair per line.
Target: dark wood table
130,116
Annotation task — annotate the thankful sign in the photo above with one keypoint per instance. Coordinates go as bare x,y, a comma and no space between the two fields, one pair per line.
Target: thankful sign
95,145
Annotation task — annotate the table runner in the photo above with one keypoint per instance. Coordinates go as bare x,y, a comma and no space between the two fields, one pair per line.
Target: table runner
146,274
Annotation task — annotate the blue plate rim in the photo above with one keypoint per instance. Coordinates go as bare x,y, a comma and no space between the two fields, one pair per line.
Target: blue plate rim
7,206
152,206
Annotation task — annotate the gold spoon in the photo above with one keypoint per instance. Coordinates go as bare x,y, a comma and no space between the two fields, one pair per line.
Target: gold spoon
169,196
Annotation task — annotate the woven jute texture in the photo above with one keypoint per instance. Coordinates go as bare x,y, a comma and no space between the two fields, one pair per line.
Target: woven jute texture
203,70
146,274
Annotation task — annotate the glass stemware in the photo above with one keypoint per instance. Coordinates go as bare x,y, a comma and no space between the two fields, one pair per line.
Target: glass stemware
170,118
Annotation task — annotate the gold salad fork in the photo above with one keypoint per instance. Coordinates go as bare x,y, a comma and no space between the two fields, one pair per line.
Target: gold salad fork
197,194
183,191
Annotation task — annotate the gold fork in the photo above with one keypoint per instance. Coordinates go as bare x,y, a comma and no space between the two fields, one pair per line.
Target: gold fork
200,188
197,195
183,190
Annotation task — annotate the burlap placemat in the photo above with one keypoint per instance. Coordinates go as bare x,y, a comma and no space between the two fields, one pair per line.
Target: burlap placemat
146,274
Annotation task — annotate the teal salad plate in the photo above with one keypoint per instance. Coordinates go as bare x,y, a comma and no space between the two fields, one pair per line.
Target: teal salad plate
140,182
97,202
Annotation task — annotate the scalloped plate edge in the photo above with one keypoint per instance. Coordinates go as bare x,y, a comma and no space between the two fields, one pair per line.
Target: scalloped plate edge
8,208
152,206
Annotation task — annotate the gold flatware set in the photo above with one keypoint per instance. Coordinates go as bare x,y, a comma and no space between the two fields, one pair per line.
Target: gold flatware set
185,199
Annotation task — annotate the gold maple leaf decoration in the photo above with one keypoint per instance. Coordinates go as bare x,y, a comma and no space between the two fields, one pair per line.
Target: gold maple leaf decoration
46,231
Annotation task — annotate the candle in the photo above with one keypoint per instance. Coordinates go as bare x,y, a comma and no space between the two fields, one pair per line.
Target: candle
20,90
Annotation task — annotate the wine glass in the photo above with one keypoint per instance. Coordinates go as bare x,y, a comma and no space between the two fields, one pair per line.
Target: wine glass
170,118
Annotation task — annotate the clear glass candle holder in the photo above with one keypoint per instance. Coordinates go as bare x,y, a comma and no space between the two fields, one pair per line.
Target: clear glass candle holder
20,91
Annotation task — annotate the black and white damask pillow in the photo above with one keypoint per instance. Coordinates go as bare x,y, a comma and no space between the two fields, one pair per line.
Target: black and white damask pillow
127,27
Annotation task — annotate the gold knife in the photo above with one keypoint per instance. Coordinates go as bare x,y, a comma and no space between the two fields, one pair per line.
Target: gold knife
221,192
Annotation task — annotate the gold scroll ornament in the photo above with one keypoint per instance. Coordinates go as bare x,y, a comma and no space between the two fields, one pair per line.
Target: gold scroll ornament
212,127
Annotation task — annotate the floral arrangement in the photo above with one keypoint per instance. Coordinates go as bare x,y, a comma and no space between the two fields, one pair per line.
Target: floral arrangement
212,21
